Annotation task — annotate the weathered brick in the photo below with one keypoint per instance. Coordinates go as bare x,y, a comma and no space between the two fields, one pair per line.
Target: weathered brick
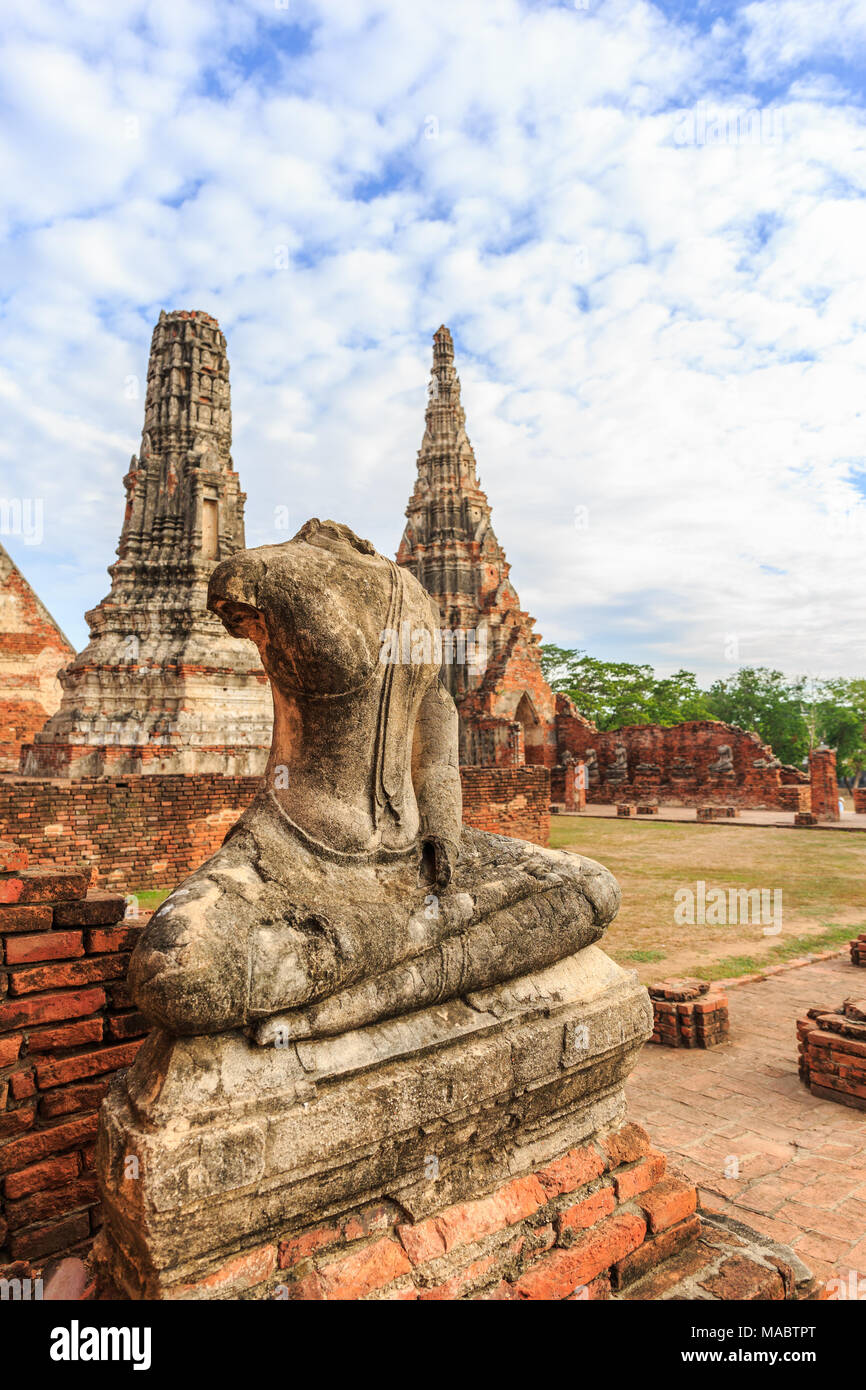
34,1147
744,1280
104,939
36,1241
9,1049
53,1202
67,1035
25,918
41,1175
654,1251
49,1008
122,1026
586,1212
67,1099
98,909
626,1145
53,945
631,1181
60,1071
573,1170
67,974
44,885
670,1201
232,1278
469,1221
558,1274
357,1273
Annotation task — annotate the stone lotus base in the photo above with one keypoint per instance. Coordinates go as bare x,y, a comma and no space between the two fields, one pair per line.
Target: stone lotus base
478,1149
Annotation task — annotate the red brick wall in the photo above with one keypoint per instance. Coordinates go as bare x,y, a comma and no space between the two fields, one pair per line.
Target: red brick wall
825,789
140,832
66,1025
674,765
508,801
32,651
150,832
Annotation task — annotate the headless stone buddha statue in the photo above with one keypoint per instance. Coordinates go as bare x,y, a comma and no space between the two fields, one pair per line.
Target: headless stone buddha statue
349,892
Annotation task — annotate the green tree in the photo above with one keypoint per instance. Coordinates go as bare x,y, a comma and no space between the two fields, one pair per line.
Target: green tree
839,715
615,693
769,702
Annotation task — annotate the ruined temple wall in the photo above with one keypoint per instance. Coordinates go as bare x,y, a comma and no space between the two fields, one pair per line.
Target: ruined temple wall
152,831
508,801
683,765
137,831
32,651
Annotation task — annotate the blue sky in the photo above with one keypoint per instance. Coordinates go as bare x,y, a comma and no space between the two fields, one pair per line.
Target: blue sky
643,222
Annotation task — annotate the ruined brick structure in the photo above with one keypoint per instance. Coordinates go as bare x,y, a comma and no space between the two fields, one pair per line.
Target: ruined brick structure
687,764
832,1048
66,1025
824,783
161,687
32,651
509,716
688,1013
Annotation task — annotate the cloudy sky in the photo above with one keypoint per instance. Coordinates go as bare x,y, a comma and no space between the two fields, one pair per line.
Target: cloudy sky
644,223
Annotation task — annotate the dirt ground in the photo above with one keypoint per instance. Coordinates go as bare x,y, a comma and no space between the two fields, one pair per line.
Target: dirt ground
822,878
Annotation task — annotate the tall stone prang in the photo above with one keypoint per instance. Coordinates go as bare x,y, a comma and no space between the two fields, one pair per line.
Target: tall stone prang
161,687
509,716
508,712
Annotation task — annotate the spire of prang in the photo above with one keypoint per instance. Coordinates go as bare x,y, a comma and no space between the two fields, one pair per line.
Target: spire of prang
183,505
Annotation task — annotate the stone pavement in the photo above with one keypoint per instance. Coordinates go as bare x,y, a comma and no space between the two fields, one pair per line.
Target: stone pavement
737,1121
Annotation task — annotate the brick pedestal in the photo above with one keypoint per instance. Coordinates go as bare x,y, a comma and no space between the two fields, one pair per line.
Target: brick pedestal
832,1048
623,810
478,1150
65,1024
859,795
688,1013
858,950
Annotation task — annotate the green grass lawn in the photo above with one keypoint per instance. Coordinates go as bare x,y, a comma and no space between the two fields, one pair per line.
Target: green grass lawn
821,875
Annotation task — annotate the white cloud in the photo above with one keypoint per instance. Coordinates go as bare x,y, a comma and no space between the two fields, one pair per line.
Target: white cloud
658,315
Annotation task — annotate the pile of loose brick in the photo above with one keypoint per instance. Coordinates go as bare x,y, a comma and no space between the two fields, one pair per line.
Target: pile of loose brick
688,1013
832,1047
66,1024
858,950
